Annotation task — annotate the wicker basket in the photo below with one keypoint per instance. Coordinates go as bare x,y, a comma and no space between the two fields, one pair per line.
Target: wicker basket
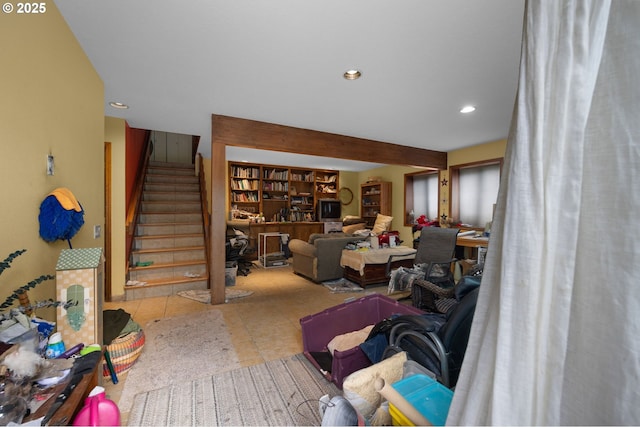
424,295
124,351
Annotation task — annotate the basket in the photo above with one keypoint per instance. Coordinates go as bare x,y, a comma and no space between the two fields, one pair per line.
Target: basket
425,293
124,351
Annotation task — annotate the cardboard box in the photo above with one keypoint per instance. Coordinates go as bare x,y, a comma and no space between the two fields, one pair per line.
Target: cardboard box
320,328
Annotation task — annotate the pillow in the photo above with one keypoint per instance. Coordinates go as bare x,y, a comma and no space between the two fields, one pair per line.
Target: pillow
351,219
349,340
350,229
359,387
383,222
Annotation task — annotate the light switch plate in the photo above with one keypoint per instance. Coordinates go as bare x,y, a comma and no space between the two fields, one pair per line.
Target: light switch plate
96,231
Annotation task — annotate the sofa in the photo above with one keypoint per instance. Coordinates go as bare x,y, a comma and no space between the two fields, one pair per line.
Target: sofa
319,258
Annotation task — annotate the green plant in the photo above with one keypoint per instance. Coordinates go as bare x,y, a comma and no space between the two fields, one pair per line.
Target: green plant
9,301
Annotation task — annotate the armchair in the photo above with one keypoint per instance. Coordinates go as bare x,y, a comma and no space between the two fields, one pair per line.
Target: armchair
319,258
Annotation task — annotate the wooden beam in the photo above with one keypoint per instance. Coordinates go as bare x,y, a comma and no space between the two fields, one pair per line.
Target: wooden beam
267,136
218,225
246,133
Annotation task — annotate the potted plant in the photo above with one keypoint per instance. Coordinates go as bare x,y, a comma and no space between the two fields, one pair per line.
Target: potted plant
10,314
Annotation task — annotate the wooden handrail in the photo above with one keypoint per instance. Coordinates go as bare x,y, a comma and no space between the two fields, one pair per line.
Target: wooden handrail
134,208
205,210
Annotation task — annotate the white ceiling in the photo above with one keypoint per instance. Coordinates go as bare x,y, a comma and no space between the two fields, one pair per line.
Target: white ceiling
281,61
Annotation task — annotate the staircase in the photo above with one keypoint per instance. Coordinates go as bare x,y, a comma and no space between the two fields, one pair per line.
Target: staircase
168,253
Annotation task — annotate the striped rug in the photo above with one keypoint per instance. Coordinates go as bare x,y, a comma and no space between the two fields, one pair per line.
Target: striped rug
283,392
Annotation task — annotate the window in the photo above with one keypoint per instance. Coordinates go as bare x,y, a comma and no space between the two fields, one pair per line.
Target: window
421,195
474,190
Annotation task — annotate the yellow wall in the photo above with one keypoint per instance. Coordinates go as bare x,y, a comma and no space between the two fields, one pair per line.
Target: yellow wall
115,134
351,180
477,153
395,174
51,103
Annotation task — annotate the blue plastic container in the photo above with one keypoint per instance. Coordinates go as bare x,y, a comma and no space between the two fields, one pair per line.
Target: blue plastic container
428,396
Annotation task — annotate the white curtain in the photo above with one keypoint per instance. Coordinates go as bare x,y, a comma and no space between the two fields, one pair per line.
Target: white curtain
556,333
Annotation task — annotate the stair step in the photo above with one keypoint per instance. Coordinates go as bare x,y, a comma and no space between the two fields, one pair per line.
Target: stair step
172,186
165,287
164,228
153,206
171,165
169,255
166,217
170,179
171,196
167,241
170,271
158,170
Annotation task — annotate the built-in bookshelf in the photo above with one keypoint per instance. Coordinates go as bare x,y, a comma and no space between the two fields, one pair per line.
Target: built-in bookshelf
326,184
375,198
280,193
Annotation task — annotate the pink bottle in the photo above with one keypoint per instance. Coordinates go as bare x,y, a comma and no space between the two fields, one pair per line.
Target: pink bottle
98,410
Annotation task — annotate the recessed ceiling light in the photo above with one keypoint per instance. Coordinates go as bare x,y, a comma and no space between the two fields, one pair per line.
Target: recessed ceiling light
119,105
352,74
468,109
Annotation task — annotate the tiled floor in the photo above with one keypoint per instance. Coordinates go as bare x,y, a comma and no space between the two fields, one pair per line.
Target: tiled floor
264,326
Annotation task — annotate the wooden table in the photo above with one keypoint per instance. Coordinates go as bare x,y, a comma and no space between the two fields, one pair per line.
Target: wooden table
470,245
65,414
369,267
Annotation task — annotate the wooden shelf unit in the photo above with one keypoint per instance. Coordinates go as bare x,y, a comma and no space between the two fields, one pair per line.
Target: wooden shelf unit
375,198
281,193
327,184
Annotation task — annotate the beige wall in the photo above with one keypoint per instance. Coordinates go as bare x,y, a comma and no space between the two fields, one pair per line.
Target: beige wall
115,134
51,103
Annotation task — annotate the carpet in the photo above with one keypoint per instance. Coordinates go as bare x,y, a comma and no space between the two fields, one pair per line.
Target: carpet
283,392
204,295
197,344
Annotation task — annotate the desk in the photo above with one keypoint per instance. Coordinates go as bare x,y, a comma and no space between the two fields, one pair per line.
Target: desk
369,267
470,243
273,259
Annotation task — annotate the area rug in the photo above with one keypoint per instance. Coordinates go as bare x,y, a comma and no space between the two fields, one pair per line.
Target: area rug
180,349
283,392
342,285
204,295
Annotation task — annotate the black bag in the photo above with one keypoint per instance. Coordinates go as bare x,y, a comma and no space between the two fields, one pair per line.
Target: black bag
377,344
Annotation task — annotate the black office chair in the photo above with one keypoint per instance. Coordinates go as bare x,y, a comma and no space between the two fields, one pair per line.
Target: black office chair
436,341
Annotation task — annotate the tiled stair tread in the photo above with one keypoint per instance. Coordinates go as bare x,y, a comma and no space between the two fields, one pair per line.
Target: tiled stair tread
169,236
167,265
170,281
158,173
168,224
169,202
158,192
151,168
175,249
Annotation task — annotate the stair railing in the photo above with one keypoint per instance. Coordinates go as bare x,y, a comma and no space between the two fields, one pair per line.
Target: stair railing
136,200
205,209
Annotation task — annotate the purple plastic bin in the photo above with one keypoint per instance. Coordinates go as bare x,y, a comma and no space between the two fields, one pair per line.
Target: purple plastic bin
320,328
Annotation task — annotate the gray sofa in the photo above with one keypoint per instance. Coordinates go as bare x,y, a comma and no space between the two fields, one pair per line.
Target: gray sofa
319,258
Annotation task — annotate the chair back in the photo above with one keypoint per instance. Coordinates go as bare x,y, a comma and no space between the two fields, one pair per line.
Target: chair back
436,244
455,332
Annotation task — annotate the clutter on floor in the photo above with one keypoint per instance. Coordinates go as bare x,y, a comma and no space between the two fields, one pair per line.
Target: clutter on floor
123,339
394,363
